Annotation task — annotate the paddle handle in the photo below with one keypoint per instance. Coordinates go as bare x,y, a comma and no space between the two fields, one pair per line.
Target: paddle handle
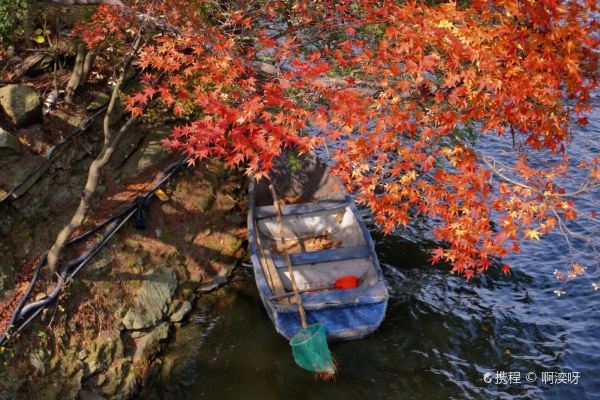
288,261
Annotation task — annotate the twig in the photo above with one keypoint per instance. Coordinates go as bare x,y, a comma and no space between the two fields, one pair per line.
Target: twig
586,187
503,176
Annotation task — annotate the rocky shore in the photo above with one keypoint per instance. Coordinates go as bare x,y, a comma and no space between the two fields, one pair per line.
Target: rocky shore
108,334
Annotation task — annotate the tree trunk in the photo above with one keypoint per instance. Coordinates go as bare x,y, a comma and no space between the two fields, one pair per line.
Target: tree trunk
76,74
101,160
27,22
90,57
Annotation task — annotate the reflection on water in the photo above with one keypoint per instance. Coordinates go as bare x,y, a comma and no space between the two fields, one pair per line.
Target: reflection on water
441,334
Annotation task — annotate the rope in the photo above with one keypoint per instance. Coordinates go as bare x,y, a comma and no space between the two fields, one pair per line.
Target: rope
24,313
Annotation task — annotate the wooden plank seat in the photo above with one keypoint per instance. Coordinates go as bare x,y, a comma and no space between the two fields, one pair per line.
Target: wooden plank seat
300,209
323,256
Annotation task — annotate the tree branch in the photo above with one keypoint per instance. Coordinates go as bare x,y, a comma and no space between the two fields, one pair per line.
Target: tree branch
586,187
97,165
76,74
503,176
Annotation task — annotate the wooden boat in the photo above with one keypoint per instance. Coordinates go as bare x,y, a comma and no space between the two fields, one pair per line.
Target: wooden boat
326,239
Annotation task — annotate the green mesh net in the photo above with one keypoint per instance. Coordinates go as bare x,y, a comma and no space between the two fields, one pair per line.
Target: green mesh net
311,351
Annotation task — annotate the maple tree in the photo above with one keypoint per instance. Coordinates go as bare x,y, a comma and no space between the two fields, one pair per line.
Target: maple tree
399,92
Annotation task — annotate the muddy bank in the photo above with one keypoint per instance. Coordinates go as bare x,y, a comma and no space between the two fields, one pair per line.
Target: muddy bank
110,329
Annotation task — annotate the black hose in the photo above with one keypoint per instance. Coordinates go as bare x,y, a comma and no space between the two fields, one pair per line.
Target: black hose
63,275
27,313
17,312
47,157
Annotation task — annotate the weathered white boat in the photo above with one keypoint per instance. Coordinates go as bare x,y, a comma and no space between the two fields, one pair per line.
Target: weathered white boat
321,211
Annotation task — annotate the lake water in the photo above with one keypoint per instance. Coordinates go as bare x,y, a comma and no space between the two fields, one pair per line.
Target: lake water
441,335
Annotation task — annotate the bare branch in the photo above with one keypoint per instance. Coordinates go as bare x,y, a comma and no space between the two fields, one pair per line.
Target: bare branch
503,176
97,165
586,187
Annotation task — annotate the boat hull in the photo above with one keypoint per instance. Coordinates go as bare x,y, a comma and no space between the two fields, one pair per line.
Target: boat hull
347,322
346,314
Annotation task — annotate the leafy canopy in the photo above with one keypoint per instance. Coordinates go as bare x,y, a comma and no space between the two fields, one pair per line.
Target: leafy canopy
399,92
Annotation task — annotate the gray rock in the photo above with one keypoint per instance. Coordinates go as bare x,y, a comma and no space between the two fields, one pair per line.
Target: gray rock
9,145
152,299
85,395
129,387
127,147
100,100
7,267
40,296
150,152
148,346
101,263
118,112
216,282
6,225
203,197
112,379
62,176
224,202
21,104
53,391
181,311
236,219
82,355
182,348
175,305
230,242
139,334
16,60
37,361
103,353
189,233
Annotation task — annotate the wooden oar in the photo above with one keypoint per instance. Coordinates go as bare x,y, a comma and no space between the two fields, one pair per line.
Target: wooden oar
288,261
309,345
